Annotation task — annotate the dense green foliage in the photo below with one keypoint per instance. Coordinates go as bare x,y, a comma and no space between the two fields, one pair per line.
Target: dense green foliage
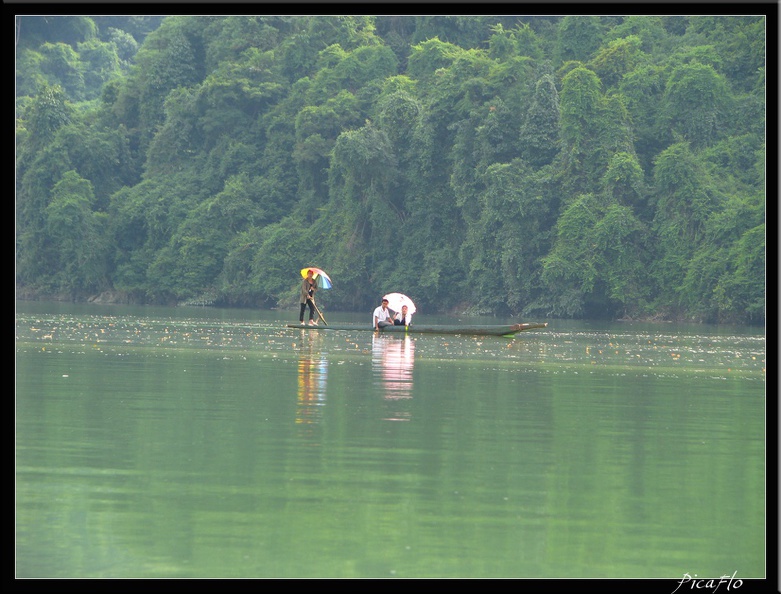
599,167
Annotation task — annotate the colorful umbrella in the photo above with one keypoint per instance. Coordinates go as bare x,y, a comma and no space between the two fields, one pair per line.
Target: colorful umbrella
321,278
396,300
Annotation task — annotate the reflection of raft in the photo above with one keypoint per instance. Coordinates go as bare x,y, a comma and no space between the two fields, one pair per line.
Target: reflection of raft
479,330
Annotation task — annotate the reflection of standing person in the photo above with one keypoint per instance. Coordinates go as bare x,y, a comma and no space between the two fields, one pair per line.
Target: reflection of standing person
382,316
308,288
402,318
312,379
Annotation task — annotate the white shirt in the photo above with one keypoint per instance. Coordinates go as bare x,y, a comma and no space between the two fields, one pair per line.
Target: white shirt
381,315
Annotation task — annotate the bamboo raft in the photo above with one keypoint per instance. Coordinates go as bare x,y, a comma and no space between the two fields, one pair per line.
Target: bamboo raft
477,330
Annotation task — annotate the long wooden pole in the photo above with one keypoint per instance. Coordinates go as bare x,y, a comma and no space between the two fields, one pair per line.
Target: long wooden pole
319,313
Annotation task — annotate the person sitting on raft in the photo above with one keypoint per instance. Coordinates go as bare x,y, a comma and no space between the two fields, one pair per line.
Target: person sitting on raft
382,316
402,318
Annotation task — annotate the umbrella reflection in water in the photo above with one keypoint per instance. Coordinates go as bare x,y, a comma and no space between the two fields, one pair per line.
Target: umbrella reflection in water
393,358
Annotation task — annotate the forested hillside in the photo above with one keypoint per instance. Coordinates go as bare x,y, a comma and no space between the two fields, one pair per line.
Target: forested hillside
579,166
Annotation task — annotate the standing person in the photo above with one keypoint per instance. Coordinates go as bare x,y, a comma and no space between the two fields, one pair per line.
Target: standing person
382,316
308,288
402,318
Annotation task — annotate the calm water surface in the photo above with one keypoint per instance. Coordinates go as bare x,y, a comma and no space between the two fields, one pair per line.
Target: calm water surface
197,442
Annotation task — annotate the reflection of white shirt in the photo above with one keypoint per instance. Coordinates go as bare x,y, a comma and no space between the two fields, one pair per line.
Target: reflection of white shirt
382,315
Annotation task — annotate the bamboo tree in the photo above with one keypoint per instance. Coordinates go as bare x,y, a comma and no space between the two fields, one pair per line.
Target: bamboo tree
77,237
683,205
693,103
539,134
616,59
578,38
582,122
